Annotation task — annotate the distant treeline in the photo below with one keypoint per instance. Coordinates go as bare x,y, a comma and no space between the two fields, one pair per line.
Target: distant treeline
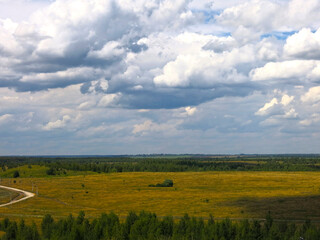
148,226
181,164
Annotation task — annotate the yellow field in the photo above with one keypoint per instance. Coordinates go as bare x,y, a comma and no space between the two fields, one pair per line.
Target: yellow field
290,195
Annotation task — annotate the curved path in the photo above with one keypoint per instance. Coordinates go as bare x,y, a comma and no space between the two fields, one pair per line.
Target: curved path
25,193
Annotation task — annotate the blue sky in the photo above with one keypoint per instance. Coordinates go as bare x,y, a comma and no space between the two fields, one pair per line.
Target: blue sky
159,76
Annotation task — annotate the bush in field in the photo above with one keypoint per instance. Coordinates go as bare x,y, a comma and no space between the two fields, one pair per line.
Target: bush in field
166,183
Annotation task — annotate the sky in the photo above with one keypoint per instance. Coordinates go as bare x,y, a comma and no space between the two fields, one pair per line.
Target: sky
159,76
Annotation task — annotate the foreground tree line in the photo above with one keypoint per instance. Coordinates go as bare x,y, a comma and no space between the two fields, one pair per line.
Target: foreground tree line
148,226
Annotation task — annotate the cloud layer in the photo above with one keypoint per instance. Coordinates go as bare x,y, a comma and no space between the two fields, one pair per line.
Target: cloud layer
125,74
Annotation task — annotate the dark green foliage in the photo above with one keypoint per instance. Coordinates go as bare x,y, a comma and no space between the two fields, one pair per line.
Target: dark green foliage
16,174
59,165
47,226
19,231
166,183
166,227
147,226
51,171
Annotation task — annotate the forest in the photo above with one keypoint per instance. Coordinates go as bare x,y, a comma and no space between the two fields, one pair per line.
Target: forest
174,163
147,225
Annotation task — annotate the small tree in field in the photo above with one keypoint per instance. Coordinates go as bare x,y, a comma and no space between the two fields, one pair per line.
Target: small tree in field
166,183
16,174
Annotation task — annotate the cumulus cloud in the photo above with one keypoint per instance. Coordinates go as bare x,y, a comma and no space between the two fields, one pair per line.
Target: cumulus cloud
190,110
108,100
110,50
250,14
267,107
267,16
293,70
279,107
60,123
221,44
285,100
204,68
312,96
200,70
303,45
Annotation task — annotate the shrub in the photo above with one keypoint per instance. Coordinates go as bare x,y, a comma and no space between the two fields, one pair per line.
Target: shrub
51,171
16,174
166,183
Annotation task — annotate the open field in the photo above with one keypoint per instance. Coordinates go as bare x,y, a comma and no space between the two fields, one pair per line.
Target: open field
288,195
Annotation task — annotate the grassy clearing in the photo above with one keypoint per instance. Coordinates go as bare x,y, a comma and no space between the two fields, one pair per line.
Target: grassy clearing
6,196
288,195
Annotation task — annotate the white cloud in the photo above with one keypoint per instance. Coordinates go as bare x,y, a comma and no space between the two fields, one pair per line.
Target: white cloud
315,118
304,45
86,105
291,113
221,44
267,16
251,14
269,50
312,96
190,110
285,100
58,123
8,44
279,107
108,100
204,68
294,69
150,126
110,50
266,108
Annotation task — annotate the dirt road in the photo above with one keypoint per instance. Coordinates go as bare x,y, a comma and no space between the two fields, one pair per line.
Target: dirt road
25,194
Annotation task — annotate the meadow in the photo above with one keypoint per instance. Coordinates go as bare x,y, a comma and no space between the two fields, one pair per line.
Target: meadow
6,196
237,194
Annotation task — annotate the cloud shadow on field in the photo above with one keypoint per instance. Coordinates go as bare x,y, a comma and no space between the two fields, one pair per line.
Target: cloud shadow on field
288,208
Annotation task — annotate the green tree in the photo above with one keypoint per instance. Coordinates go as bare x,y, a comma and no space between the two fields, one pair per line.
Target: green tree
47,226
16,174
